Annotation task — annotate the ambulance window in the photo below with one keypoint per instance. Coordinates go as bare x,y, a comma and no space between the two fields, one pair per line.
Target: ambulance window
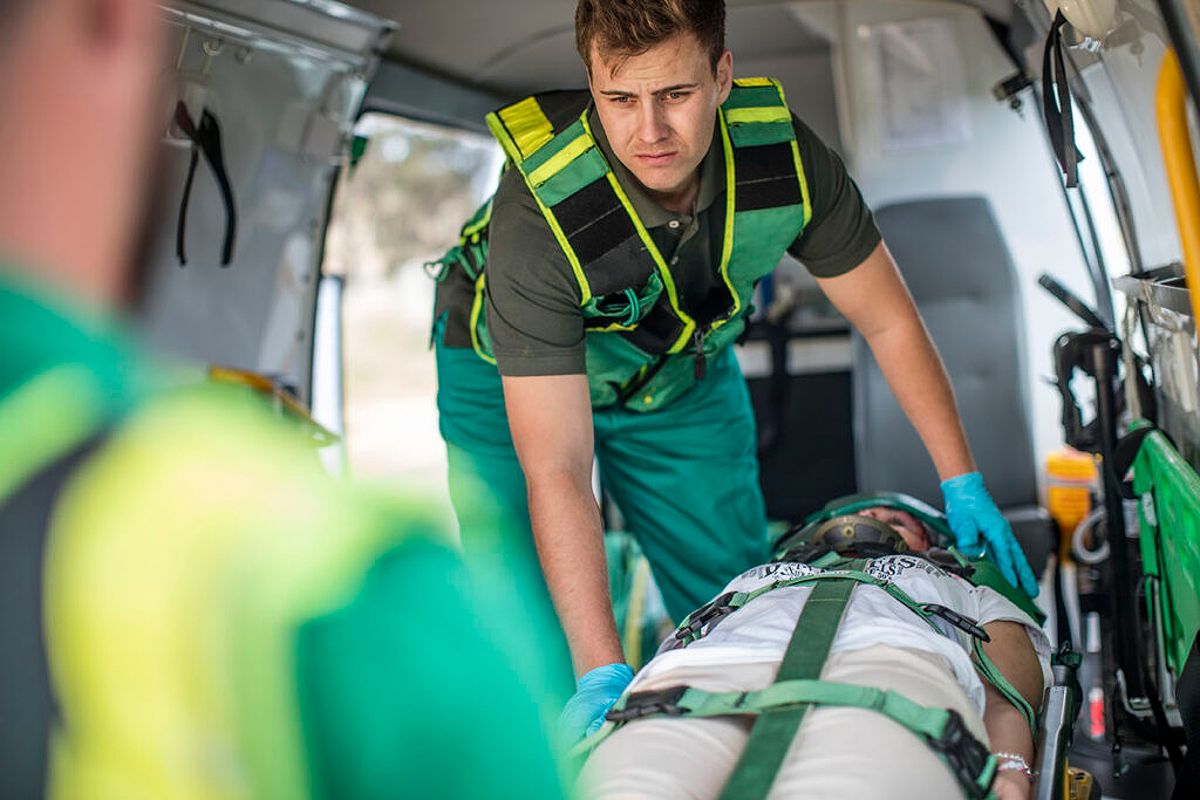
400,205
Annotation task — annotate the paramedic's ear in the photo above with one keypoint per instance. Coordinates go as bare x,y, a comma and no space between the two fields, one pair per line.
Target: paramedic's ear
724,76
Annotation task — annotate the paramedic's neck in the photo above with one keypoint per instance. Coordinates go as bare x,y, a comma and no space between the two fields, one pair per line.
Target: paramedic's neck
680,200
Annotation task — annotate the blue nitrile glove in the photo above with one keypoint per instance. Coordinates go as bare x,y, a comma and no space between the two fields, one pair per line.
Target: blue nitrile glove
972,513
595,694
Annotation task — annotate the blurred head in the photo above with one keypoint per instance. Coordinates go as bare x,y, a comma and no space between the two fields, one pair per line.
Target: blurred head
76,100
658,70
904,523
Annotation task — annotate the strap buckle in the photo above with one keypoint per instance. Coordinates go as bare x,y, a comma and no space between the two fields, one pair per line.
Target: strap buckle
963,623
650,703
971,762
711,611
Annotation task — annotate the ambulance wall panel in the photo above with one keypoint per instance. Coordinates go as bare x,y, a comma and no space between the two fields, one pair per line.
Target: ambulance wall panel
984,149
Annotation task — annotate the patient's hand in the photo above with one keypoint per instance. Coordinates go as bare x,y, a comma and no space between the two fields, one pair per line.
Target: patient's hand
1012,785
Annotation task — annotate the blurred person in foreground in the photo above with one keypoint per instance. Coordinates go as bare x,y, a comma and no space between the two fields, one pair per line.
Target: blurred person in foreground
189,607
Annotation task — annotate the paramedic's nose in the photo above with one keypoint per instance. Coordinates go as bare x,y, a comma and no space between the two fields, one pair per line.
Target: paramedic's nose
652,124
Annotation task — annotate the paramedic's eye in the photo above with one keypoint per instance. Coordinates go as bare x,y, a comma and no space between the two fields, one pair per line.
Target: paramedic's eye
675,97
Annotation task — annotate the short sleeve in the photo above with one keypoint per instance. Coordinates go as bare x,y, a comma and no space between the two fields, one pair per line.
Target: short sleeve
991,606
841,232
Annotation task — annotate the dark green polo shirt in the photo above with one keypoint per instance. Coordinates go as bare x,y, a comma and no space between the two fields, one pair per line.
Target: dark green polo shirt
533,310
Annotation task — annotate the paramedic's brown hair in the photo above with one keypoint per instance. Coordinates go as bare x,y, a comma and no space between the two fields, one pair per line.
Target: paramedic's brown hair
631,27
11,12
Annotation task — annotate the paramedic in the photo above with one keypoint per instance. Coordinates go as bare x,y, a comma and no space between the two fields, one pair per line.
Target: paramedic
839,751
189,607
613,289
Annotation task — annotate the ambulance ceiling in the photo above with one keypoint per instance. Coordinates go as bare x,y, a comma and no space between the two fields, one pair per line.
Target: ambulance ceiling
512,47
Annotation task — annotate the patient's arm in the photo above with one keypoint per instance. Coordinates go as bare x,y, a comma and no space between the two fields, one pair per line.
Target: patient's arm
1012,653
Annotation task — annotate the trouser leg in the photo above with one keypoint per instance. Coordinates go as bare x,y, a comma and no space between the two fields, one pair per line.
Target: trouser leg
686,481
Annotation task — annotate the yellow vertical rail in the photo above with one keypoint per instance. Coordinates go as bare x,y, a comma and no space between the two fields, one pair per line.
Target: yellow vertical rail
1180,162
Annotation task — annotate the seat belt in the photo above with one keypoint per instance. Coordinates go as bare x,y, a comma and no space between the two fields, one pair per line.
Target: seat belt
206,140
27,703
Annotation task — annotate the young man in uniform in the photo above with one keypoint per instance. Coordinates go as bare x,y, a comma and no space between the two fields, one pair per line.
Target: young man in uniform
621,250
189,606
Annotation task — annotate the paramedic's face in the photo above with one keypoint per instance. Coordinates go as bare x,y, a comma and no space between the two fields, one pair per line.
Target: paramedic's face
905,524
659,109
73,158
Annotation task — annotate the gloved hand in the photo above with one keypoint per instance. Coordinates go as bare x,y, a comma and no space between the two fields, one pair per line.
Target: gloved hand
972,513
595,694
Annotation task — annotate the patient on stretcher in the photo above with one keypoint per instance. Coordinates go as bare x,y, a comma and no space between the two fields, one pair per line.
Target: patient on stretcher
913,624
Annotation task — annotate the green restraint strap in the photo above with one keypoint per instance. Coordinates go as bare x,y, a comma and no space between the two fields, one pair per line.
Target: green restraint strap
691,629
995,677
781,707
773,731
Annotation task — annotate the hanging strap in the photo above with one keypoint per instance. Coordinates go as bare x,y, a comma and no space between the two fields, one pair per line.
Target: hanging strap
1060,120
206,140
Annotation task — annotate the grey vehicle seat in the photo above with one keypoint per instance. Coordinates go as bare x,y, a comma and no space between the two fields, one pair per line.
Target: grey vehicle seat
955,262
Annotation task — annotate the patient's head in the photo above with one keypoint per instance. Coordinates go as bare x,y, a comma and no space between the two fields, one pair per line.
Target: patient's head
904,523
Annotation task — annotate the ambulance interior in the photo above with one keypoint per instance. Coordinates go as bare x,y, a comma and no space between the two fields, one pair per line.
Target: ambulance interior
353,146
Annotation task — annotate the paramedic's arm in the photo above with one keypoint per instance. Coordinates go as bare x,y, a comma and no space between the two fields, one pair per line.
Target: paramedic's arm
1012,653
551,421
876,301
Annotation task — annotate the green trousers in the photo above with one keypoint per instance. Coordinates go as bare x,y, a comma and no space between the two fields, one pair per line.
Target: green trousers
685,477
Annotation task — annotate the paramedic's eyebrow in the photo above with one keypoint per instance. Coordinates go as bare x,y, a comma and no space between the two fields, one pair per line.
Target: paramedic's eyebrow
657,92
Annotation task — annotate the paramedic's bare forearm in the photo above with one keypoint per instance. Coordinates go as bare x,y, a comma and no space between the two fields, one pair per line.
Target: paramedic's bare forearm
876,301
551,421
1012,653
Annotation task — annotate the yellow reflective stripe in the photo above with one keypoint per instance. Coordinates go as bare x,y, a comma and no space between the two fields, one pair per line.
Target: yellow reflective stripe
476,310
754,82
741,116
689,324
730,199
560,160
501,133
797,159
803,182
43,420
615,326
470,230
528,126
